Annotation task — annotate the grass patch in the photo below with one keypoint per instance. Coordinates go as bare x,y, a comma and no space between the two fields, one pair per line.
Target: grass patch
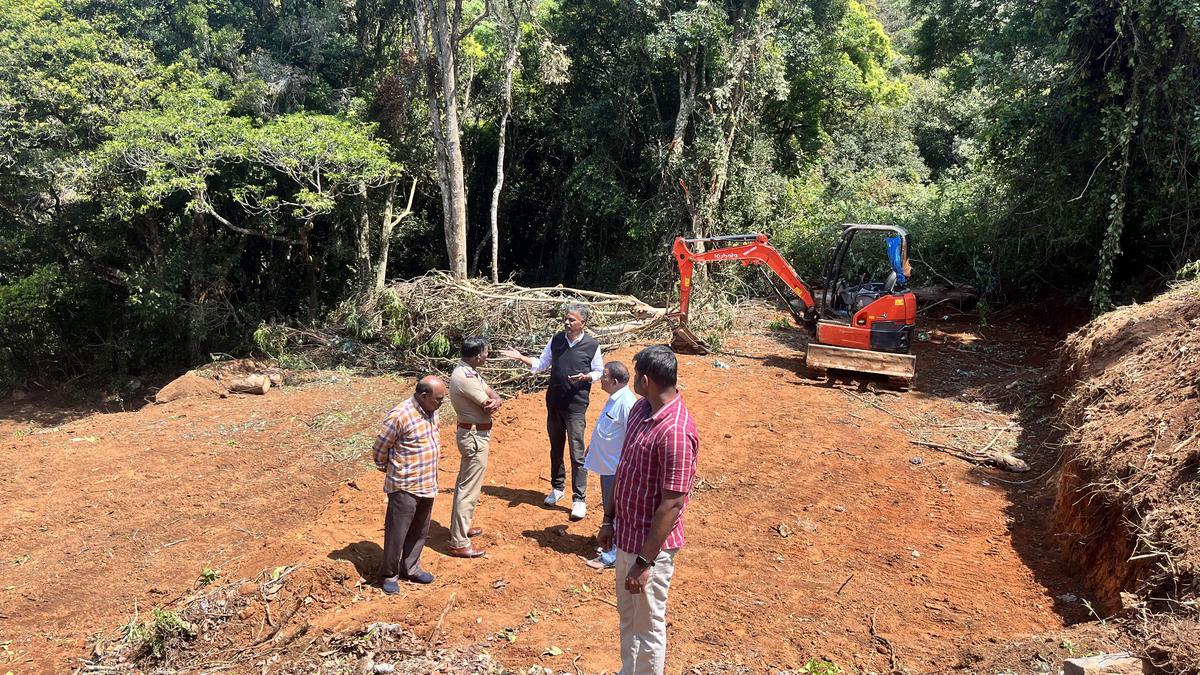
357,446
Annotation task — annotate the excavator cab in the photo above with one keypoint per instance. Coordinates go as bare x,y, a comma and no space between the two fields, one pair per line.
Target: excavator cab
873,311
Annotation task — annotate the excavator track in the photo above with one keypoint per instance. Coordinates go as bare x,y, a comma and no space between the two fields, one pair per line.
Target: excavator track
898,367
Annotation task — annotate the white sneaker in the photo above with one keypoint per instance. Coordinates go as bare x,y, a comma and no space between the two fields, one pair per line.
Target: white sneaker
554,497
578,511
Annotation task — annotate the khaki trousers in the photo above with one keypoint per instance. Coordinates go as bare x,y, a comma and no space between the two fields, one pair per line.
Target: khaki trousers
644,615
473,446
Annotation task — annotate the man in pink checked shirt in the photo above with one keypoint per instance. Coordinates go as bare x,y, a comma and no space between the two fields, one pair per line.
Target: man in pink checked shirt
645,519
407,452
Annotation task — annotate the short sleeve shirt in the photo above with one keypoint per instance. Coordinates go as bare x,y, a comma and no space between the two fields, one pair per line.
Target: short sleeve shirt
659,453
608,435
468,393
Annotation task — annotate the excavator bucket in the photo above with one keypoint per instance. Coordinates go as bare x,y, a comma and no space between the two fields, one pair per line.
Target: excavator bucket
684,341
819,358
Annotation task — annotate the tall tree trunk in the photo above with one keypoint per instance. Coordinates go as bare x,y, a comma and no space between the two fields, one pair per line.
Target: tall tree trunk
387,227
363,272
310,270
456,235
688,77
510,64
430,70
441,79
195,323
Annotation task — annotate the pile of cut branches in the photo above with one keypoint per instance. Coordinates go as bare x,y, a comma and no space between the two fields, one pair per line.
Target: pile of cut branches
415,326
231,627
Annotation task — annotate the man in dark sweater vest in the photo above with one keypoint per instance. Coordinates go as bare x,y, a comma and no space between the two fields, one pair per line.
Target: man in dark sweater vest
575,362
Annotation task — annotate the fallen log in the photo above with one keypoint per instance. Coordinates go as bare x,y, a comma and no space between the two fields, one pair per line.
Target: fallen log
962,298
251,384
998,460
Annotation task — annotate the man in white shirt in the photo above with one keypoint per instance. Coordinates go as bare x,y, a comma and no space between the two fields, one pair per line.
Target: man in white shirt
574,361
604,450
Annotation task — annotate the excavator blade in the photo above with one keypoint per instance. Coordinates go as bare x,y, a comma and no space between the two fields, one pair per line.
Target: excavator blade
823,357
684,341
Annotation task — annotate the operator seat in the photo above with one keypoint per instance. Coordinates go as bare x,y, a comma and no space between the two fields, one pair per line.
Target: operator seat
868,293
889,285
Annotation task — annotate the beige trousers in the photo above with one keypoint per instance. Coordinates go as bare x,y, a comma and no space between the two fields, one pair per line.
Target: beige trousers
473,446
644,615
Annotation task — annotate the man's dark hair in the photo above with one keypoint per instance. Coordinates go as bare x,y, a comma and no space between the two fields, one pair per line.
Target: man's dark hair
617,371
473,346
424,386
658,363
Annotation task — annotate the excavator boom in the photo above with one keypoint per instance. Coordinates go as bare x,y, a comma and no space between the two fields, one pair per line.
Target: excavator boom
749,249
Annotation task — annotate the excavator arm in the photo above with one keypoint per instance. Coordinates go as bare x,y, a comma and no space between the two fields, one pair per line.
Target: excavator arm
749,249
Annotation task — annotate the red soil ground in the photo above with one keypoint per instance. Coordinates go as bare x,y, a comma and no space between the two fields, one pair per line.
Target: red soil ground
107,512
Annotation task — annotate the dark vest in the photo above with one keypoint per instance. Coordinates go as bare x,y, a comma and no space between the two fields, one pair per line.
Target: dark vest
564,394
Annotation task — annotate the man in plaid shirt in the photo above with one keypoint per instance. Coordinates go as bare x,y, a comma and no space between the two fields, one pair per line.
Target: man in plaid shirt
407,452
645,516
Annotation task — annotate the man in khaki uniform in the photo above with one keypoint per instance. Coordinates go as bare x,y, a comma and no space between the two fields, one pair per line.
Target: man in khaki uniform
474,402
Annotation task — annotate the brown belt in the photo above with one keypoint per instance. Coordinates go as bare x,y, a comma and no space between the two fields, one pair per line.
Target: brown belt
486,426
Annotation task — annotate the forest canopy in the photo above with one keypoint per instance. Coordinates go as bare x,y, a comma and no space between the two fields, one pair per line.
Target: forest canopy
173,174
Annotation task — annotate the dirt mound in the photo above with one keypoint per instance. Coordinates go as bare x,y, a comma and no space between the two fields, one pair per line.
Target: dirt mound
189,385
221,377
1128,502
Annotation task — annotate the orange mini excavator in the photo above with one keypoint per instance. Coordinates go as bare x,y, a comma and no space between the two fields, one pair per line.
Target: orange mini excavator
865,326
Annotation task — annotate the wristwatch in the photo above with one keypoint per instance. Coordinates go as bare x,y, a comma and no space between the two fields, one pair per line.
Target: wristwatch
641,560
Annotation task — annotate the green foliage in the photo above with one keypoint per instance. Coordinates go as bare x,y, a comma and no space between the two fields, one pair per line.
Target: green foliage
28,334
325,156
271,340
151,636
175,147
208,575
820,667
175,178
1189,272
1087,125
436,346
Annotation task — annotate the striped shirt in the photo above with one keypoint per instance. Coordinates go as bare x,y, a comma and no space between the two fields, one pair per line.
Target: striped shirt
659,454
407,450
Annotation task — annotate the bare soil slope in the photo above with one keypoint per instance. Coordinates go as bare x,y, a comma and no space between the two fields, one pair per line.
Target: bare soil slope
815,532
1129,493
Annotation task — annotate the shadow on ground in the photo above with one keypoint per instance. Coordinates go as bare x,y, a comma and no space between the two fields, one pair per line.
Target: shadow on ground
366,556
557,538
515,496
